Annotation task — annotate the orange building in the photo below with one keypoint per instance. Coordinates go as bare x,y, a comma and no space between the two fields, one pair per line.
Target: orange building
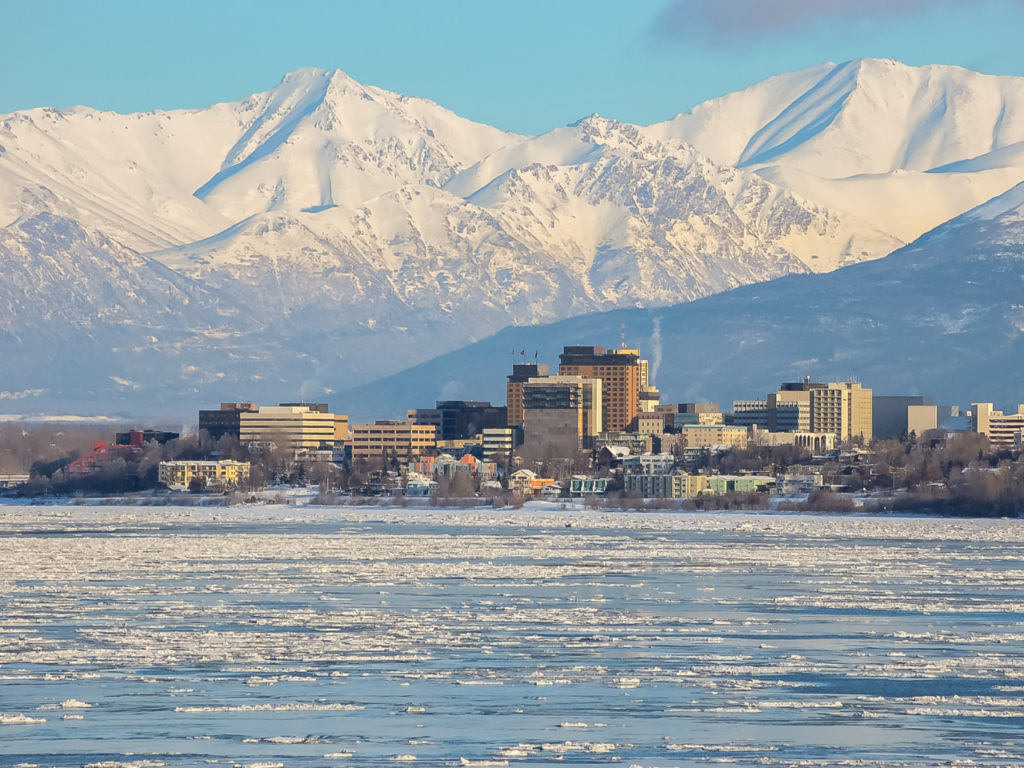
623,374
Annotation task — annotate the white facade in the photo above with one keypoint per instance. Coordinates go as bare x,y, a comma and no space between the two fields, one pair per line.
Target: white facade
649,464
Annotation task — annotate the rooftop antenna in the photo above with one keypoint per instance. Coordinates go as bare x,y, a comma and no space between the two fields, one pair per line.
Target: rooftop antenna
623,330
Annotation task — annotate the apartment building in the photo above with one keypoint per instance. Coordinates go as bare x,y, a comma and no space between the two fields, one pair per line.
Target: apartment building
678,486
179,474
392,438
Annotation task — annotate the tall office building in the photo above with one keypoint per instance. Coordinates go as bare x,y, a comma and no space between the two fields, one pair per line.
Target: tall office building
561,411
623,375
789,409
841,408
514,389
288,426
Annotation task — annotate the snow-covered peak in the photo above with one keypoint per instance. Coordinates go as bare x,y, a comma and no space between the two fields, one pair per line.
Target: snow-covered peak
866,116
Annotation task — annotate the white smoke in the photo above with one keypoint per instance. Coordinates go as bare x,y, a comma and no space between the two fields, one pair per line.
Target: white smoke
655,351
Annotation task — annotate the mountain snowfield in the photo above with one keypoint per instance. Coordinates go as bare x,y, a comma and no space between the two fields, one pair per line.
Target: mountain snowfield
325,234
943,316
905,148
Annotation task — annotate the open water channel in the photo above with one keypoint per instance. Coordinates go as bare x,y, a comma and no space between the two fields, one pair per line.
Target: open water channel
323,637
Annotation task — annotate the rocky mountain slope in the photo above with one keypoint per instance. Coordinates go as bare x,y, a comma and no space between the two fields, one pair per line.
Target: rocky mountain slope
943,316
324,234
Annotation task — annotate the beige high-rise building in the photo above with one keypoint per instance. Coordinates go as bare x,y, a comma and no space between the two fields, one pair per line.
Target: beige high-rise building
295,427
841,408
789,409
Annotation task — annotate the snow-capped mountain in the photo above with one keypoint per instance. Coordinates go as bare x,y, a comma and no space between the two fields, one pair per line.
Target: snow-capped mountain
943,316
324,234
904,148
161,179
618,221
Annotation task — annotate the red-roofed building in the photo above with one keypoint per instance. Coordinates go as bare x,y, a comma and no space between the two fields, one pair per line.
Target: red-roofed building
101,457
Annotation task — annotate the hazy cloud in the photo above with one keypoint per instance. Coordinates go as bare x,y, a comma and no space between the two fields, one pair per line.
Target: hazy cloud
752,18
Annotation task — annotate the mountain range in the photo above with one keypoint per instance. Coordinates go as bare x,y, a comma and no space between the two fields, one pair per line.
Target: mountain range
324,235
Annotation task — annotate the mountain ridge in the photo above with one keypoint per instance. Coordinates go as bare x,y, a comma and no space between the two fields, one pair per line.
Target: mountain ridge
307,228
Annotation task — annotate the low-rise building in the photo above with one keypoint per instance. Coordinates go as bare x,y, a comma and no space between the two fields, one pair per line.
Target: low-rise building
179,474
708,435
650,423
580,486
791,484
504,440
524,482
649,464
13,481
391,438
740,483
635,443
102,457
674,486
816,442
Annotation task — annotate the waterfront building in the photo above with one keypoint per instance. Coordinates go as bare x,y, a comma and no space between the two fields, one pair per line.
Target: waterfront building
524,482
739,483
580,486
666,486
103,455
179,474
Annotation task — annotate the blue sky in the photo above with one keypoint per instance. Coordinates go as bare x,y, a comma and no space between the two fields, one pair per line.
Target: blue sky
525,66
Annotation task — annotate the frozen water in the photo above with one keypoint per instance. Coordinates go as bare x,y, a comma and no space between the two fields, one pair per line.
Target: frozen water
316,637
